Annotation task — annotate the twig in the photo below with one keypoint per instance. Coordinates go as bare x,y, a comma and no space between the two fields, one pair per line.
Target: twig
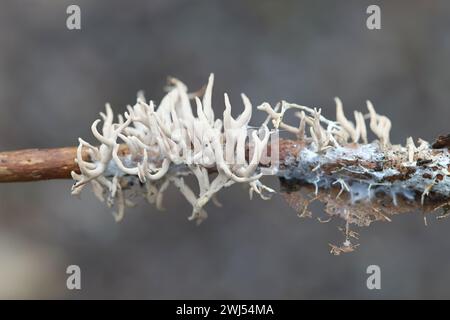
38,164
58,163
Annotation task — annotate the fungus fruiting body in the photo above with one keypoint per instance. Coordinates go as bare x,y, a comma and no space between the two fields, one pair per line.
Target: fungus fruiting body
169,142
181,137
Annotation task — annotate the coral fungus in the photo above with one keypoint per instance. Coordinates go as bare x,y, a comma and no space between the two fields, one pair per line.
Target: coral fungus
170,141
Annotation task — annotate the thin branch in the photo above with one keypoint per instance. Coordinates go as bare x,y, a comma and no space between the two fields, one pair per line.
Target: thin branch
41,164
38,164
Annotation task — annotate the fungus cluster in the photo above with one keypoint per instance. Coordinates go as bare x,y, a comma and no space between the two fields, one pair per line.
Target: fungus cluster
338,153
358,181
181,137
169,141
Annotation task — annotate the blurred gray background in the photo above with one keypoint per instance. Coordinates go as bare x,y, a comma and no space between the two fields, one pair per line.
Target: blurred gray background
53,83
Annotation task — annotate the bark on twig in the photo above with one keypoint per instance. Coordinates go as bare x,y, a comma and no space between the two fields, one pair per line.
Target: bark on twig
38,164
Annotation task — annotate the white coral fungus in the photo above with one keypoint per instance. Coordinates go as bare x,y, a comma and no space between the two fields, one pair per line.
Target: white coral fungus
167,143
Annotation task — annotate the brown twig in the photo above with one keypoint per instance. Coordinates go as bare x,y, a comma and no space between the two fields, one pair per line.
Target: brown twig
38,164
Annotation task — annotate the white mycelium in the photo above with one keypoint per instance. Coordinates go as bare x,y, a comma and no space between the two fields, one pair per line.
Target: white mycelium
170,141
